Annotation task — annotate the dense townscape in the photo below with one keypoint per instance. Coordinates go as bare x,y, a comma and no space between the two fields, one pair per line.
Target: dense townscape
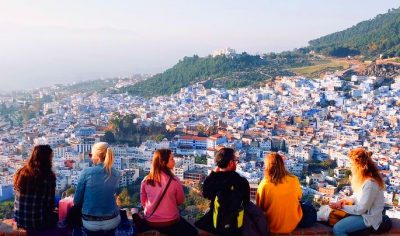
311,122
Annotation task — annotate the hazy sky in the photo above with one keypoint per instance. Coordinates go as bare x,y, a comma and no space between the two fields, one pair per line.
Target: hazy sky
47,42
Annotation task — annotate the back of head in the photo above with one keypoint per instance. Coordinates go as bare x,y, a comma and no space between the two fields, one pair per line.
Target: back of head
224,156
364,168
38,166
274,170
158,165
105,155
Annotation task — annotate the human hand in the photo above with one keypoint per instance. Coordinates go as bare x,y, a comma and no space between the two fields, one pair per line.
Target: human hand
334,205
339,204
216,169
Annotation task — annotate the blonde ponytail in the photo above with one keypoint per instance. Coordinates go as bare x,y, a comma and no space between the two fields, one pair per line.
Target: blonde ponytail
108,160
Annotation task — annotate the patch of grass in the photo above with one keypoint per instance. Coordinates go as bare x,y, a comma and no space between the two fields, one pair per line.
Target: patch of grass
321,66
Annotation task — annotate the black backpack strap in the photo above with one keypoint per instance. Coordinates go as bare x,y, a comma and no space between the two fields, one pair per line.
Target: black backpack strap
162,196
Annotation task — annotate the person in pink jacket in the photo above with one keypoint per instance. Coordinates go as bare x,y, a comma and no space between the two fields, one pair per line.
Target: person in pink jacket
161,211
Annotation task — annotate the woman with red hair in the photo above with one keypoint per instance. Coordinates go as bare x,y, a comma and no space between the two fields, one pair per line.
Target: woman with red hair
366,205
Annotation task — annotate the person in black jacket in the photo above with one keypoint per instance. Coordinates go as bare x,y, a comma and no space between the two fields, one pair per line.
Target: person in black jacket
222,177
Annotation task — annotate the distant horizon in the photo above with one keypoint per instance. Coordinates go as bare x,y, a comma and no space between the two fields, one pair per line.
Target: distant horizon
49,43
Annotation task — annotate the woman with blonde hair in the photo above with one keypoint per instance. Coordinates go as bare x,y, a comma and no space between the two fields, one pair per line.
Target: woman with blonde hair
96,190
366,205
278,195
161,193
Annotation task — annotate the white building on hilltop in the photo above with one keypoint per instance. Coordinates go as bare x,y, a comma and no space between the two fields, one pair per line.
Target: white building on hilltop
229,52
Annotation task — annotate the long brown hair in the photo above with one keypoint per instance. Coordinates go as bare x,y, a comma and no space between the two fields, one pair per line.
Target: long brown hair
36,169
275,170
365,168
158,165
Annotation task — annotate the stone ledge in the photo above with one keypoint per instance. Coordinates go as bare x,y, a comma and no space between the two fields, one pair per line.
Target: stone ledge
321,229
318,229
8,228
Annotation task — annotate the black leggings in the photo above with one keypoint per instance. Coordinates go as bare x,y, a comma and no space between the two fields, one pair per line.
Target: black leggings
180,228
309,216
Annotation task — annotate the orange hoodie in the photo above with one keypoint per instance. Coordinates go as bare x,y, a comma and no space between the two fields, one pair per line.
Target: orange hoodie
281,204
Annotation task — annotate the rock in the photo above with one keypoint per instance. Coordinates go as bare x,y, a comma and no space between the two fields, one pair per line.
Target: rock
387,70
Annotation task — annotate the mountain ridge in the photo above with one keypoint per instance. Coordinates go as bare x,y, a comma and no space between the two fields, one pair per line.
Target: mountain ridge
370,38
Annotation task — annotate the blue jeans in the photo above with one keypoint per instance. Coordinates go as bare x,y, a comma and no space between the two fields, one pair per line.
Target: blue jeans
348,225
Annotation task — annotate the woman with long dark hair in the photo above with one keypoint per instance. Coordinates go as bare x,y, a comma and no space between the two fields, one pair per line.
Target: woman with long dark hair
278,195
96,190
34,186
366,205
161,193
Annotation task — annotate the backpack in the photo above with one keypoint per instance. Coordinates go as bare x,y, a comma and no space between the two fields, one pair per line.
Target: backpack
228,211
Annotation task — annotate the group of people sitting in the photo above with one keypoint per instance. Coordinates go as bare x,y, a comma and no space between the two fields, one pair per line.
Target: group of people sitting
277,209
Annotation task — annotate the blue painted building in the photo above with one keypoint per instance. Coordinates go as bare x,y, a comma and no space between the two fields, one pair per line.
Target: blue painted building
6,192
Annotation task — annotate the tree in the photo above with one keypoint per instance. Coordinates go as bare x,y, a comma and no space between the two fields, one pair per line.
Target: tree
124,198
109,137
6,210
200,160
70,191
328,163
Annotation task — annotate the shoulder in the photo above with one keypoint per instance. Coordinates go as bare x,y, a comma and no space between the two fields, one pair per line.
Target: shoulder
263,183
210,178
115,172
87,171
21,172
292,179
144,181
371,184
165,178
238,177
244,180
145,178
176,179
212,175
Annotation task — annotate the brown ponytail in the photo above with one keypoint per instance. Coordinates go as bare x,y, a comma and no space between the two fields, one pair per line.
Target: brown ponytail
158,165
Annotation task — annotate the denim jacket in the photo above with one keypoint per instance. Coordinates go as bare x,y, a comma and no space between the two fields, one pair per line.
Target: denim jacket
96,191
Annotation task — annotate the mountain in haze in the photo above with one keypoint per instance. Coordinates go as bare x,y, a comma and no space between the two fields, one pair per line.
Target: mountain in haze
228,71
380,35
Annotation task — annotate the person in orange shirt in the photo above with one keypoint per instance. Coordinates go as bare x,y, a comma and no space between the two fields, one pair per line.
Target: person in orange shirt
278,195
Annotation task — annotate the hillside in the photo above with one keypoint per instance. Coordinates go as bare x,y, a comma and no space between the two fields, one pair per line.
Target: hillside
221,71
370,39
380,35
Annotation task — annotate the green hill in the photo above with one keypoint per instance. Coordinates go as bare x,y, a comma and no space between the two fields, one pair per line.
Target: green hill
220,71
380,35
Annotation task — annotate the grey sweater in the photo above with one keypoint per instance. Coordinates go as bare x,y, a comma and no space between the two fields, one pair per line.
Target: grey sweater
369,203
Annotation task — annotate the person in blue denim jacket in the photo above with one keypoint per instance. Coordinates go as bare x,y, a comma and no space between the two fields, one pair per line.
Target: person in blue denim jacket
96,191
